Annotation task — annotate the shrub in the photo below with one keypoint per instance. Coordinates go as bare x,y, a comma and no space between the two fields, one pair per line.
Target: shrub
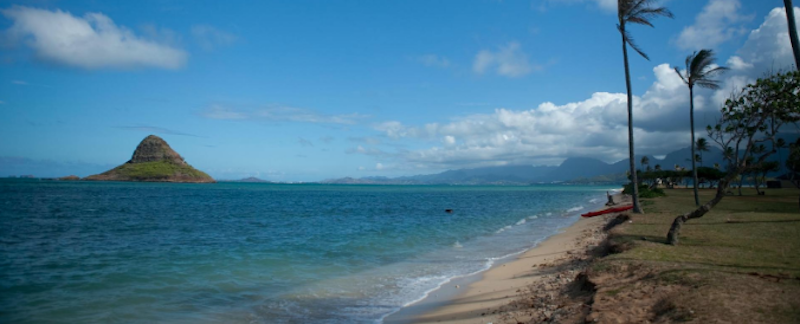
644,191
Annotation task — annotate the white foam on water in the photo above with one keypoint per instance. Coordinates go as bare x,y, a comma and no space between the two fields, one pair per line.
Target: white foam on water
548,214
534,217
574,209
503,229
595,200
457,245
521,221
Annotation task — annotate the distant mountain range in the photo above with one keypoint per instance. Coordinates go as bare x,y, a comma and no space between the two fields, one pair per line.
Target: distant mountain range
575,169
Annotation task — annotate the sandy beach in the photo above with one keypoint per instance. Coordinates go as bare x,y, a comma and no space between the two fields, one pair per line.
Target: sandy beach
489,297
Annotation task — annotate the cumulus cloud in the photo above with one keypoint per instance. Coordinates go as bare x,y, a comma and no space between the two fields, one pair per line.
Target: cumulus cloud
548,133
719,21
433,60
210,38
596,126
509,61
93,41
768,46
277,113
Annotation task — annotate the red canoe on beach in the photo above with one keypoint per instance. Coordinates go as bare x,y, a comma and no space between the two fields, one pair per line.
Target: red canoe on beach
608,210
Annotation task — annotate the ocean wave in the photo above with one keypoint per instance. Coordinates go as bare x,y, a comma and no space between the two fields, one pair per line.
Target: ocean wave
457,245
534,217
574,209
521,221
503,229
595,200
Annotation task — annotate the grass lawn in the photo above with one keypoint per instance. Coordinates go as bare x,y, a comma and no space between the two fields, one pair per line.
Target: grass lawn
740,263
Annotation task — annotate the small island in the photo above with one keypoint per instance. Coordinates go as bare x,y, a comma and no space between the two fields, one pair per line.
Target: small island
154,161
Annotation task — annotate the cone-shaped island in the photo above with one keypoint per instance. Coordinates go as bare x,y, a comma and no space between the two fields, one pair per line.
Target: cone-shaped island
154,161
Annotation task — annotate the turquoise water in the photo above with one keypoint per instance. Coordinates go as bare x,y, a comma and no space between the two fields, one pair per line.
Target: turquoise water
91,252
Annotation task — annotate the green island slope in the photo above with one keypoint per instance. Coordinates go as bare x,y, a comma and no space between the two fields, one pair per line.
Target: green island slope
154,161
737,264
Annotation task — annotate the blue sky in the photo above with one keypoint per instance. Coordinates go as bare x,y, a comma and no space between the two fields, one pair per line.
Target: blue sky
309,90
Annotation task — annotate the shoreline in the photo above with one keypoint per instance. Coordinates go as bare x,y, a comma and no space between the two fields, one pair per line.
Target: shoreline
479,298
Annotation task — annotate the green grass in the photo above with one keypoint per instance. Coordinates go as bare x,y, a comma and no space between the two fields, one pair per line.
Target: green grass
746,248
157,170
745,234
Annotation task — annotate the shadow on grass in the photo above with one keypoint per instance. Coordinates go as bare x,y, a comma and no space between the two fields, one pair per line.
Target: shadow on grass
624,238
744,222
711,266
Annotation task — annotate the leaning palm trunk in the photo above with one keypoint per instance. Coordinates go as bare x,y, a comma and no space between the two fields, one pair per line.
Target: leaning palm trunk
694,163
634,179
750,121
792,32
677,224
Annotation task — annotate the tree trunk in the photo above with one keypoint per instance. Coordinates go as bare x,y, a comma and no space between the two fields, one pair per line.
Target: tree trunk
694,163
740,185
675,230
792,31
636,207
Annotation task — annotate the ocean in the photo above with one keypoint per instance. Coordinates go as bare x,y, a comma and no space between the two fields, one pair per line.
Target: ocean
113,252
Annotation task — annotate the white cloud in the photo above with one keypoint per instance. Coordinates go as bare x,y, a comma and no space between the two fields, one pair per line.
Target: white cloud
549,133
718,22
736,63
594,127
209,37
277,113
91,42
433,60
220,112
768,46
509,61
19,82
379,166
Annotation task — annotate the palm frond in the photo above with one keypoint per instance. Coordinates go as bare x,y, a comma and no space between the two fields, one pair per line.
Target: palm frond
640,21
638,12
708,84
650,13
632,43
681,75
701,70
715,71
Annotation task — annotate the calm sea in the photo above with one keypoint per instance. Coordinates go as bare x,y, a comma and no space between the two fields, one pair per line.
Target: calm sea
93,252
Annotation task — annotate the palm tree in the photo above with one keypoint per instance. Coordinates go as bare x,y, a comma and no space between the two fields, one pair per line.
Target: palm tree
792,31
634,12
701,146
645,161
658,167
700,70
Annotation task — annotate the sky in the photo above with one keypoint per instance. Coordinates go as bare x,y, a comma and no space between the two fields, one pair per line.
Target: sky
311,90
